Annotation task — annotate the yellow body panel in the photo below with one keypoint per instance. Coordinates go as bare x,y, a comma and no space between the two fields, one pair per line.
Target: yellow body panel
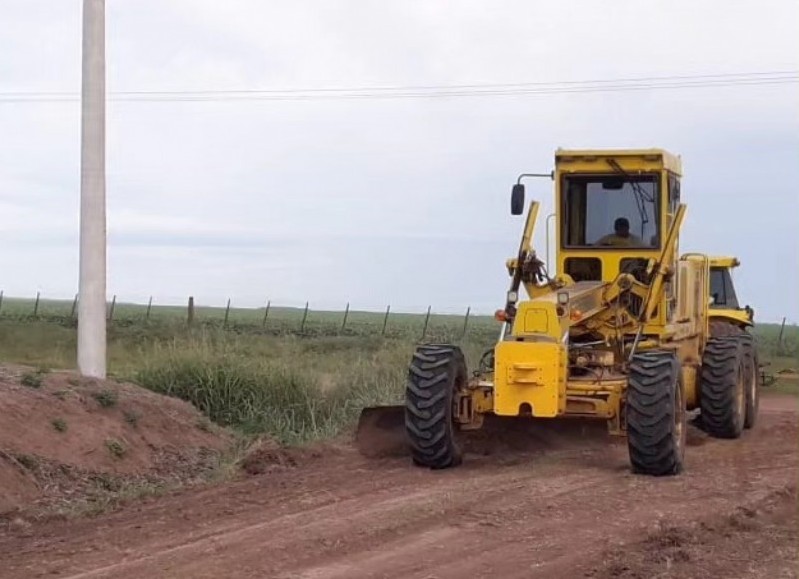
690,385
530,374
739,317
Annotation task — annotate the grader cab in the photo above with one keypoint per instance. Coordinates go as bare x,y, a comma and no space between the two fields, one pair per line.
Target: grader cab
628,331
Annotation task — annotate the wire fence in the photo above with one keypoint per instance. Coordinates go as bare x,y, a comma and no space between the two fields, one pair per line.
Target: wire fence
268,319
780,339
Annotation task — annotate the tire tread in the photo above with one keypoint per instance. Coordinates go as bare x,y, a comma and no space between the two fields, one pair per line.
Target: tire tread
650,409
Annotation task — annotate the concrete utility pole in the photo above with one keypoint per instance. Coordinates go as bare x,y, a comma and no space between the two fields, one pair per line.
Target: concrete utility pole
91,304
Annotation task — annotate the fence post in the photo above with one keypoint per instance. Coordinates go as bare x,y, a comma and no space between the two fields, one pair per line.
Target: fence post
227,312
113,307
1,299
149,307
74,307
426,321
346,315
304,318
466,321
782,331
266,313
190,313
36,305
385,320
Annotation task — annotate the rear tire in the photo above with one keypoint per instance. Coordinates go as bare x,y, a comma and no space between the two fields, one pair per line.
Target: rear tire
435,374
655,411
722,390
752,377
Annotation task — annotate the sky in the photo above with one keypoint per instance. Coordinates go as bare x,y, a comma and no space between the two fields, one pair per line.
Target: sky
401,201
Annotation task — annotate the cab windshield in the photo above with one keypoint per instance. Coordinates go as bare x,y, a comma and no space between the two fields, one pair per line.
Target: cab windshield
611,211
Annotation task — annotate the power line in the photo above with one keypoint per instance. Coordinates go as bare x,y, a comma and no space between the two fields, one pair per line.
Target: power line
427,91
740,75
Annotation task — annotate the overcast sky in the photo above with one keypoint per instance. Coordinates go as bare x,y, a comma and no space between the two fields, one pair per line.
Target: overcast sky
377,201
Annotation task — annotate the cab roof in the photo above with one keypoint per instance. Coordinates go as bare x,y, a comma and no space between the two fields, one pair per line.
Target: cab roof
724,261
670,162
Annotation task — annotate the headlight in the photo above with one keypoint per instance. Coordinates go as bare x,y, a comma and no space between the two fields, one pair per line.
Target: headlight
563,298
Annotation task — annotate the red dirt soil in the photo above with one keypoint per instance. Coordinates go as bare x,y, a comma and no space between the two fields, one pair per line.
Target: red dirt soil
55,436
537,506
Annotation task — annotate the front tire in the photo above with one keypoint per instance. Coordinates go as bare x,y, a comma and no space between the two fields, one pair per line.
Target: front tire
435,375
655,411
722,390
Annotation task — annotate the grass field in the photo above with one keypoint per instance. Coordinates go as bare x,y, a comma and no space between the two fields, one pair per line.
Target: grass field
295,386
273,378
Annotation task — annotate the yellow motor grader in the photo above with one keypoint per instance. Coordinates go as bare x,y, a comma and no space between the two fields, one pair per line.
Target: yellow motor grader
629,331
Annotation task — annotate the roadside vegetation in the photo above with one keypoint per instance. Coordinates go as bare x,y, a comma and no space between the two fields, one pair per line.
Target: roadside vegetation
294,388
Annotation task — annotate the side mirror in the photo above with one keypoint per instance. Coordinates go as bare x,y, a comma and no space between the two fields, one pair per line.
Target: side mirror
517,199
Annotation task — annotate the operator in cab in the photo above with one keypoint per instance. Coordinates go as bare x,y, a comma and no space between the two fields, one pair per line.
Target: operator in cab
621,236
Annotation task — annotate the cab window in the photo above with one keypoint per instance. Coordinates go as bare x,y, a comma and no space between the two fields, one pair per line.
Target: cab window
721,290
611,211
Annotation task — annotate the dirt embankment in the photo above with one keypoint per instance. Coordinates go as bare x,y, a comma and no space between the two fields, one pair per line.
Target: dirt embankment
529,505
62,437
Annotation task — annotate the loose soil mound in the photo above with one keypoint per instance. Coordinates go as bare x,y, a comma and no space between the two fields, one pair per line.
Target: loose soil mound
62,436
381,433
267,456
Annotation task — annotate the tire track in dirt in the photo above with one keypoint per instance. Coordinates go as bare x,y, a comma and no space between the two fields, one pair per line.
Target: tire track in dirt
349,523
510,515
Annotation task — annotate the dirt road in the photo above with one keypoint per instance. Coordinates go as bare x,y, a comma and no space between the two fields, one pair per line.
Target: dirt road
542,505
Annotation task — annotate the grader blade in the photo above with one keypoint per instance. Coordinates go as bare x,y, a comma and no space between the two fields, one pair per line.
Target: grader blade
381,431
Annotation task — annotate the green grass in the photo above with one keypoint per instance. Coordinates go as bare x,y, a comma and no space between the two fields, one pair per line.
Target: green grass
31,380
784,386
106,398
131,417
293,387
116,448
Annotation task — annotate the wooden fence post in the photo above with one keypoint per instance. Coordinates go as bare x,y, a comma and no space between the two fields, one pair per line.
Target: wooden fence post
346,315
227,312
36,305
190,313
1,299
782,331
266,313
426,321
149,307
304,318
74,307
113,307
385,320
466,321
